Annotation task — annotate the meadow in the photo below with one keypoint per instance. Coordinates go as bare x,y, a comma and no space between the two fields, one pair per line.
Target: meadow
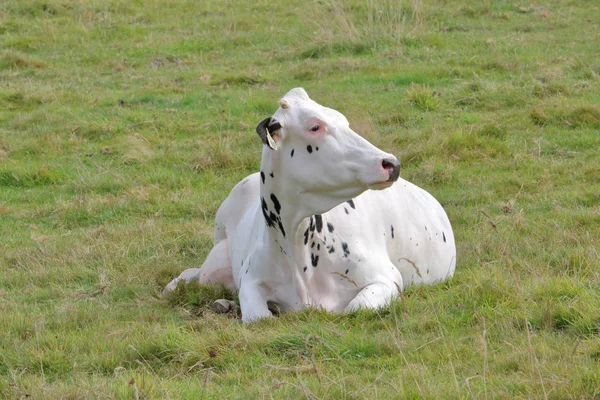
125,124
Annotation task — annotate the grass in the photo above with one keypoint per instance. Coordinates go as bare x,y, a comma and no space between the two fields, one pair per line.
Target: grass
123,126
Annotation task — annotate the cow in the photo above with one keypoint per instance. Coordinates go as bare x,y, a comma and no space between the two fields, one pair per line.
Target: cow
326,223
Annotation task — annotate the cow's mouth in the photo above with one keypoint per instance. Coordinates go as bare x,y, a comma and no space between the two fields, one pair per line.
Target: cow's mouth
380,185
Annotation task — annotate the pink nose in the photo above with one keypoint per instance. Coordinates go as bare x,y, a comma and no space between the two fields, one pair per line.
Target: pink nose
392,166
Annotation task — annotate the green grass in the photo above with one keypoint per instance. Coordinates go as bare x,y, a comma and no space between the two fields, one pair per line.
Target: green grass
124,124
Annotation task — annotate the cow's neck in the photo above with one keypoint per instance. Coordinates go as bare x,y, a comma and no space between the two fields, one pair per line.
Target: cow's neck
279,204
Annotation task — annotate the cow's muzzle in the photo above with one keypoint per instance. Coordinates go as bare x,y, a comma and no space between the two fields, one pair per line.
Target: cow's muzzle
392,166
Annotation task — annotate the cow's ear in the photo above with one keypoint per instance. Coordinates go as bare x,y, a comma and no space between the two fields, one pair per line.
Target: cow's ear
265,130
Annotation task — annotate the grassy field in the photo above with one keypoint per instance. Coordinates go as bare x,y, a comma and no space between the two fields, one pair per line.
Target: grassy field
124,124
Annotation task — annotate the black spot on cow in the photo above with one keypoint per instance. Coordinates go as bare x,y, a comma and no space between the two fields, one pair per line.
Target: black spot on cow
329,227
312,235
265,211
306,237
351,202
314,259
262,176
425,227
392,229
318,246
312,225
309,148
347,271
276,203
444,236
316,149
312,245
281,227
305,268
271,175
246,271
427,271
319,222
292,155
272,216
331,249
346,210
346,249
242,263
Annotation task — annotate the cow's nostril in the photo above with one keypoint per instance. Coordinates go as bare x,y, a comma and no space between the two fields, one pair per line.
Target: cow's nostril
387,165
392,166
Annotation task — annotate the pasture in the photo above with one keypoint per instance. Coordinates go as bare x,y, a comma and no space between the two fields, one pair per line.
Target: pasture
125,124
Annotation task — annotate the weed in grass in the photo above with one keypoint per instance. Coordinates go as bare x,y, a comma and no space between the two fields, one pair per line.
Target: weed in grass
422,97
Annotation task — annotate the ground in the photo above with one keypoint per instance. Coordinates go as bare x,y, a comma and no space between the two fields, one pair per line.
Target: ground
124,124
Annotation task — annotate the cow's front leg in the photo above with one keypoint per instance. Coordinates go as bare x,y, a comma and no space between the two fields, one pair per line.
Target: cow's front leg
253,302
373,296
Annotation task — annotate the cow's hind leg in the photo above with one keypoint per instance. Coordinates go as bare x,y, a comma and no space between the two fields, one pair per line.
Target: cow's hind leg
373,296
216,269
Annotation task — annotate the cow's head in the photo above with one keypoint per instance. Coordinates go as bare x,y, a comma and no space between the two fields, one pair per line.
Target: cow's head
320,160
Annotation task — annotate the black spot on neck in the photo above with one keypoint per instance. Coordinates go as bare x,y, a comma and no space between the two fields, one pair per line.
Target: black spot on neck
347,271
318,246
351,202
271,175
392,229
262,176
330,227
309,148
306,237
331,249
305,268
319,222
346,249
316,149
292,153
265,211
444,236
312,245
346,210
281,227
312,225
314,259
276,203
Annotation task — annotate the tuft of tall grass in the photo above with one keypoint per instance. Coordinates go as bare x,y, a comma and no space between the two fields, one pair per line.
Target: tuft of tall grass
422,97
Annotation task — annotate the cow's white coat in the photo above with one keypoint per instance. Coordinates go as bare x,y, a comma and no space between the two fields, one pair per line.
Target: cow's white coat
306,232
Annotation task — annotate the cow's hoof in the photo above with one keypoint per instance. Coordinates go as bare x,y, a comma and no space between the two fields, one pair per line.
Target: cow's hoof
223,306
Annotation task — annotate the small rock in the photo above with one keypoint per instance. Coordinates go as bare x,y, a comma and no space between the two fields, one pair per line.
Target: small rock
223,306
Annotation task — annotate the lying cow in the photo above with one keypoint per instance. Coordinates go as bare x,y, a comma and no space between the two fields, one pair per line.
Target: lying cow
306,232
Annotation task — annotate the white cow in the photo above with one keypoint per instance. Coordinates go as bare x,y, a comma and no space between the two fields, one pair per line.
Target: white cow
306,232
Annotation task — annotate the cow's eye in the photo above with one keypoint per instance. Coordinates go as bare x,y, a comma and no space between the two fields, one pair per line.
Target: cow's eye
314,128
